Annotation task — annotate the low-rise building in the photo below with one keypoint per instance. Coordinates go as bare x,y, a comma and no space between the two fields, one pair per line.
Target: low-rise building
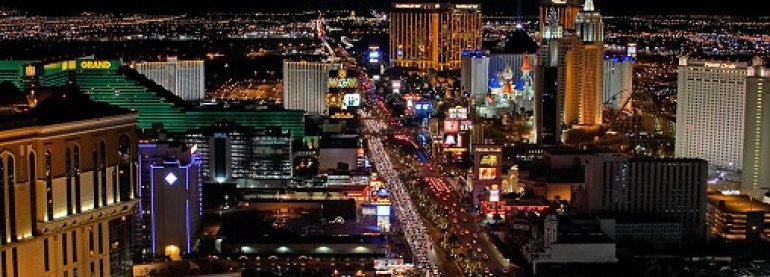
737,217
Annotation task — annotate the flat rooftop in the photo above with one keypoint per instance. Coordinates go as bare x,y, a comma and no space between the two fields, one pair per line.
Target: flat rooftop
737,203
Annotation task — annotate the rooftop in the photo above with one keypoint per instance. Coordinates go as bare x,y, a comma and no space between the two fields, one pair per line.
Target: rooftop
61,106
575,230
737,203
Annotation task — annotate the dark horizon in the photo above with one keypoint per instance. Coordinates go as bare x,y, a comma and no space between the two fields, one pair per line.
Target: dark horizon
529,7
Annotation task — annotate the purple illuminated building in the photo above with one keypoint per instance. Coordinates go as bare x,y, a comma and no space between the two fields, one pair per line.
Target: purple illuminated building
171,196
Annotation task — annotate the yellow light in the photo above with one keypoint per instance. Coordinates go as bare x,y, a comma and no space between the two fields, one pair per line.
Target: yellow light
173,252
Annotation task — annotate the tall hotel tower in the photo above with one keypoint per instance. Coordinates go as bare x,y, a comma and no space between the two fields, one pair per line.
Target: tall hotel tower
710,111
186,79
570,69
305,85
549,97
756,148
590,30
433,35
67,183
566,12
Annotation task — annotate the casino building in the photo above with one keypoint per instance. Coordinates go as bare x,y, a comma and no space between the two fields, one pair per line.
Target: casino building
108,81
66,180
432,35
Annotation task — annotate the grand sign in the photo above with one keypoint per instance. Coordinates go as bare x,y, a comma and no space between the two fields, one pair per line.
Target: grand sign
96,64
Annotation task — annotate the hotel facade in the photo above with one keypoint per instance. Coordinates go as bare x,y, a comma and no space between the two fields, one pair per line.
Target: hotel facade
68,197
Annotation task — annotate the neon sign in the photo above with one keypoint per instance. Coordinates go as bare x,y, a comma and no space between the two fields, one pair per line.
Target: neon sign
94,64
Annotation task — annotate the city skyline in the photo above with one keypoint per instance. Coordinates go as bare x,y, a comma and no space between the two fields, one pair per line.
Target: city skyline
400,139
510,7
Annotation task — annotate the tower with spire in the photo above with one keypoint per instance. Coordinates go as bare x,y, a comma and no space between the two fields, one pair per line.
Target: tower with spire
589,24
590,30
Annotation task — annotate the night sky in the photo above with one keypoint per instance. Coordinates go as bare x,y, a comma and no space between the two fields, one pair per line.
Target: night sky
609,7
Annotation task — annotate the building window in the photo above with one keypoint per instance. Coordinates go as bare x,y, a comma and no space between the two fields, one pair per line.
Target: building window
33,192
64,248
95,176
11,183
48,185
115,185
101,239
103,168
46,258
68,175
3,235
15,261
74,247
76,176
124,167
91,239
3,264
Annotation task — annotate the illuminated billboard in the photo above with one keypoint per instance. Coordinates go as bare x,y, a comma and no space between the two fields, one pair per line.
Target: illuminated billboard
488,161
451,126
383,210
458,113
333,100
374,56
494,194
488,173
351,100
29,70
453,141
98,64
336,82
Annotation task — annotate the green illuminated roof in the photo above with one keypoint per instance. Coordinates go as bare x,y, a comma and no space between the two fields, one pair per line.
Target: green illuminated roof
125,88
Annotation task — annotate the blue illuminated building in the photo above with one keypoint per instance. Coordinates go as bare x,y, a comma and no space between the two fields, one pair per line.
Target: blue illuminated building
170,190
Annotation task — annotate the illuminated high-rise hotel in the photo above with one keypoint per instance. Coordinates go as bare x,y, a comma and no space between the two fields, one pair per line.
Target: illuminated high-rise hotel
549,90
711,98
590,30
756,146
67,184
185,78
433,35
570,70
305,85
566,12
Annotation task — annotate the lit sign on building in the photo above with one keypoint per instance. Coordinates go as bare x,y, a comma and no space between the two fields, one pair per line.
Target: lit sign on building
487,173
95,64
333,100
494,194
458,113
466,125
383,210
374,56
488,150
451,126
489,160
467,6
342,115
452,140
408,6
170,178
351,100
336,82
29,70
720,65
